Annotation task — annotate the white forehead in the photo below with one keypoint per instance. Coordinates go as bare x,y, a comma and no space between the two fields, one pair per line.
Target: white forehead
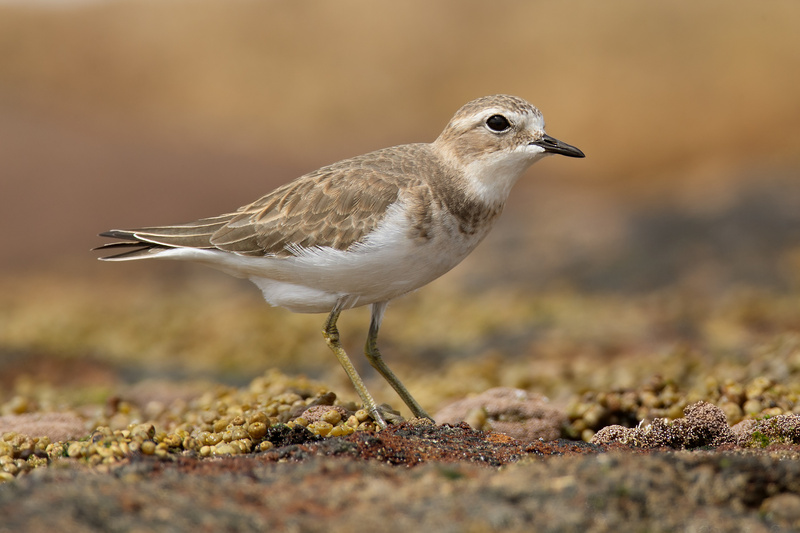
530,119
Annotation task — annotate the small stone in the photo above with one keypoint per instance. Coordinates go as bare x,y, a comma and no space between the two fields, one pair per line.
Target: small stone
146,431
238,433
757,387
17,405
734,392
244,445
732,411
752,407
224,449
649,399
148,447
75,450
258,417
341,431
55,450
172,441
257,430
320,428
103,451
478,419
594,415
332,417
213,438
37,462
367,426
575,410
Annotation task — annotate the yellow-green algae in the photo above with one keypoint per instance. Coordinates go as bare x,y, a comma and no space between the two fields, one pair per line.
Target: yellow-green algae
222,421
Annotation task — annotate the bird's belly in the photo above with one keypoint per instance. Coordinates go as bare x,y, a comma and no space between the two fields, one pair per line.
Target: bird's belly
314,282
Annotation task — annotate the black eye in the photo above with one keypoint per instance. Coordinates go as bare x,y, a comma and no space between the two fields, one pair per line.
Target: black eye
498,123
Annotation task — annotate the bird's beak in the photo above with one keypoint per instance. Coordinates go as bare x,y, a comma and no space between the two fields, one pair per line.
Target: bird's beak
554,146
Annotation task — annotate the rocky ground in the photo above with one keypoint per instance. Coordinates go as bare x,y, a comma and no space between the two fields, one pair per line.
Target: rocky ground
599,418
447,478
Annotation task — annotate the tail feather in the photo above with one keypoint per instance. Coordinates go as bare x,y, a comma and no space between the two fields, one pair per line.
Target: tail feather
149,241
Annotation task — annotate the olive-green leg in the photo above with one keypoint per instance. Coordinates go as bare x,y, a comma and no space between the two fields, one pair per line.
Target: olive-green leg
331,335
376,360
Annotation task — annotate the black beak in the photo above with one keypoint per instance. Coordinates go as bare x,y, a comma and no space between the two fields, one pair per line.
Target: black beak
554,146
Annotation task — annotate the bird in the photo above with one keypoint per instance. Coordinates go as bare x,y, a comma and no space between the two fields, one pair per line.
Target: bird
368,229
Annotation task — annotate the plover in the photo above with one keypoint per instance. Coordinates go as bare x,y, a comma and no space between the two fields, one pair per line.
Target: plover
367,229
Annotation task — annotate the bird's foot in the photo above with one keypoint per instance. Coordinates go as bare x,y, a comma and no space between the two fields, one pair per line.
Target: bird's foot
384,415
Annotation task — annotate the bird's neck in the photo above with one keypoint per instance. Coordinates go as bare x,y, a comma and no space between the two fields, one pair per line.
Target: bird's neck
490,180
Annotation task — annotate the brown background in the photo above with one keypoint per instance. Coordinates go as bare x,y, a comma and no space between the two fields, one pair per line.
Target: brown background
133,113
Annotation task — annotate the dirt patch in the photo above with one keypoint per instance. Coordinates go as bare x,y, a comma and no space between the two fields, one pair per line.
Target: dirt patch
412,444
359,483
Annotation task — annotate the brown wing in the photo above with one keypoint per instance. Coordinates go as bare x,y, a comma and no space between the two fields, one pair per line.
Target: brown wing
335,206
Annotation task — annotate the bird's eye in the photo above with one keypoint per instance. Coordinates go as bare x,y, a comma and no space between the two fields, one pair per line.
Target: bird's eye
497,123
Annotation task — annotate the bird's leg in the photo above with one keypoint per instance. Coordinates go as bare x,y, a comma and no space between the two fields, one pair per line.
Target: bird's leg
331,335
376,360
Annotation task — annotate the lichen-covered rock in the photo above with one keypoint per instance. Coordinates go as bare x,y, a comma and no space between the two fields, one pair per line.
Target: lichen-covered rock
513,412
781,429
704,424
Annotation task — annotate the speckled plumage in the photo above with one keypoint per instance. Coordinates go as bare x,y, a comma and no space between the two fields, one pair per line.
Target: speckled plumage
369,228
335,206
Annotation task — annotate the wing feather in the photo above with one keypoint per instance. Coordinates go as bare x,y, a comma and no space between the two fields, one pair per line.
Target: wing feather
335,206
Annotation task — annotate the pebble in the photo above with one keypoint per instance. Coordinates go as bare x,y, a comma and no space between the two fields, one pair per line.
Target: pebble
332,416
148,447
256,430
320,428
228,421
758,397
225,449
225,421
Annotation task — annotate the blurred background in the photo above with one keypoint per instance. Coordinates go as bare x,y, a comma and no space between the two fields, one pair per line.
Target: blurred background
129,113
